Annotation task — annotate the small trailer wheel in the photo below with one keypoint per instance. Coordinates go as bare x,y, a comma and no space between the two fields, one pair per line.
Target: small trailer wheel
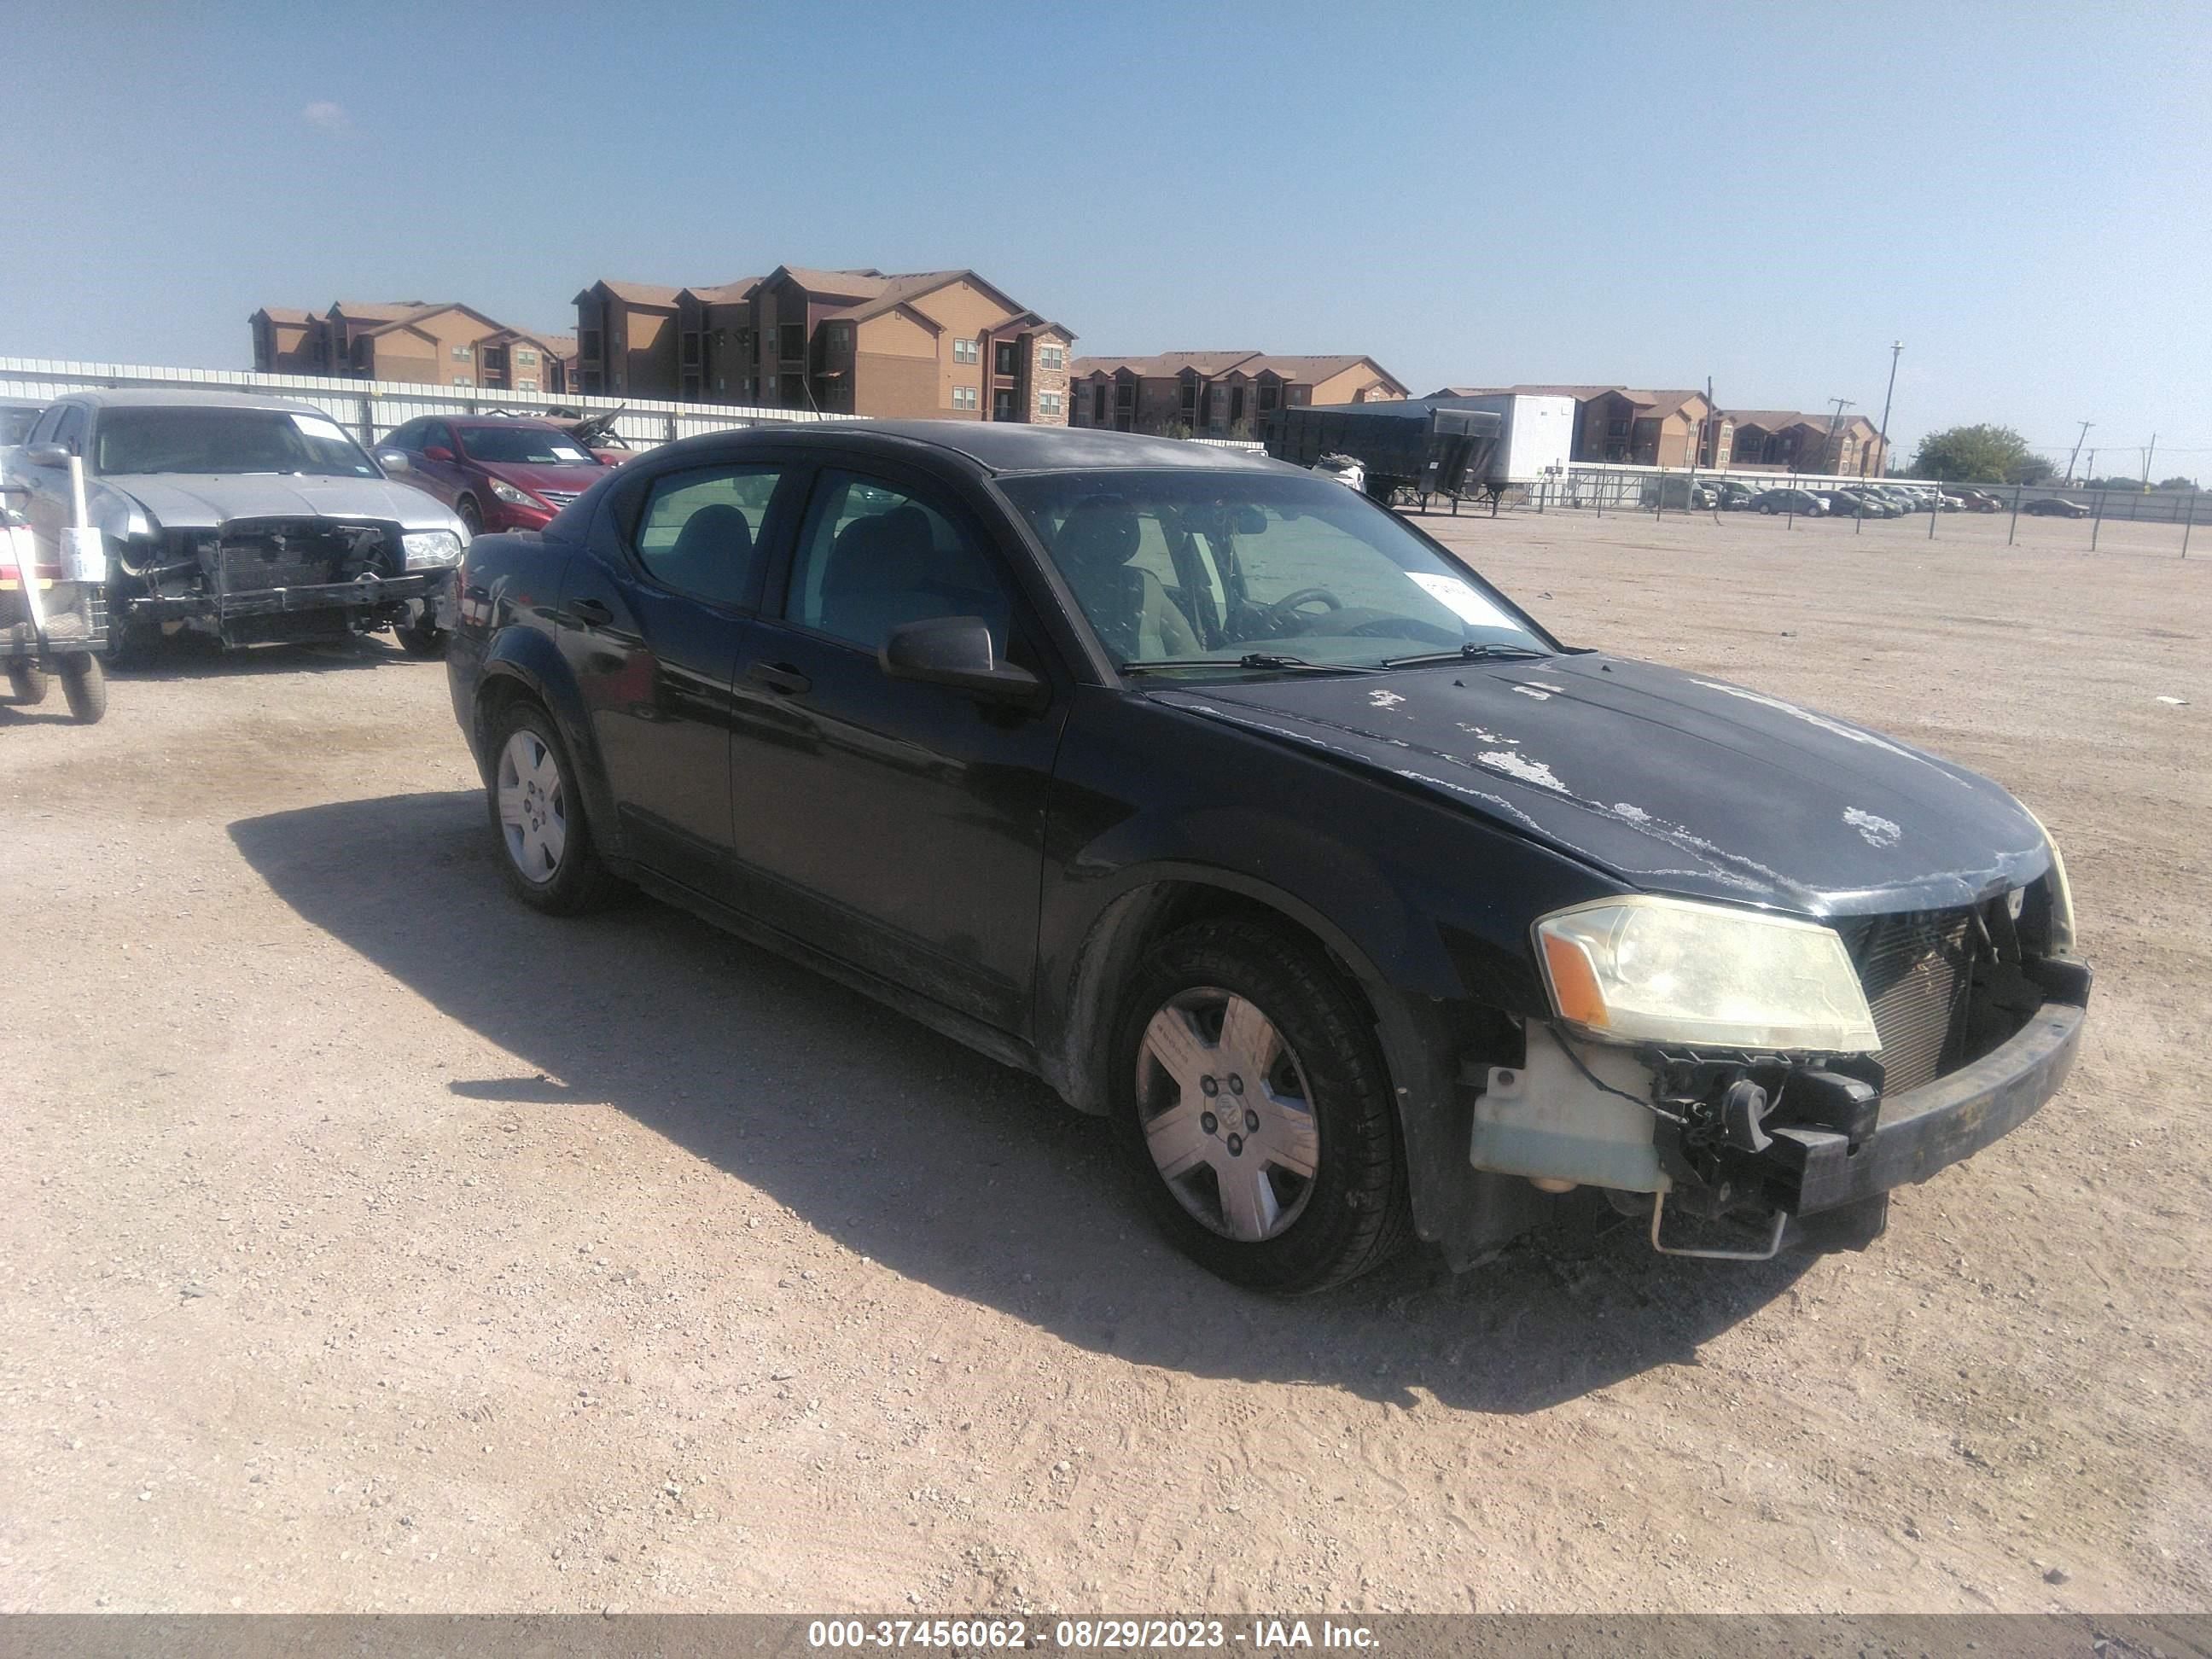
26,682
84,684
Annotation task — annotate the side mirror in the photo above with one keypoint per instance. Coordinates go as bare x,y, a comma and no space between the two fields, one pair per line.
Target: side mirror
957,651
1246,520
394,460
437,453
47,455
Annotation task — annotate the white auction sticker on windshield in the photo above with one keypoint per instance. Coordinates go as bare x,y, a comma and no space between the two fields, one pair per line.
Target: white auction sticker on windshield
563,452
1467,604
320,426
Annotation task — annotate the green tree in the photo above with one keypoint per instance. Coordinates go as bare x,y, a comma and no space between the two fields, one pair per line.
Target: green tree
2177,482
1976,454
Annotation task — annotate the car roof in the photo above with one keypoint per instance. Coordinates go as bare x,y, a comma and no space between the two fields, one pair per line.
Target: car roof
169,398
525,423
1004,446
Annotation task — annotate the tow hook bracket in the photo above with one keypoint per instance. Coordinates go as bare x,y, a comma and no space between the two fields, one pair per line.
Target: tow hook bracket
1773,1247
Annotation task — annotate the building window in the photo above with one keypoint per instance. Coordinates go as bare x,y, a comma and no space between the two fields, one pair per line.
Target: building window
525,357
1268,394
966,396
1047,403
1007,360
464,353
965,351
691,347
1189,399
464,379
587,345
1124,395
526,386
841,335
1051,357
1616,428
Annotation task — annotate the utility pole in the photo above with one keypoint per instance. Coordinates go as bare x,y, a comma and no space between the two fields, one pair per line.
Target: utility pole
1896,350
1828,457
2147,453
2076,455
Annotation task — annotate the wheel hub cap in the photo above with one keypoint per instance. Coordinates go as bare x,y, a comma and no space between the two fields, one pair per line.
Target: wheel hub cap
1227,1115
533,814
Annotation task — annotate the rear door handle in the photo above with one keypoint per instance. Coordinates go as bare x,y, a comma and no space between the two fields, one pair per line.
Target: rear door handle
594,613
779,677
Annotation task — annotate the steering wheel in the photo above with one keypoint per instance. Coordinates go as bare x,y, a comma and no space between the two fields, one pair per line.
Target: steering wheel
1283,610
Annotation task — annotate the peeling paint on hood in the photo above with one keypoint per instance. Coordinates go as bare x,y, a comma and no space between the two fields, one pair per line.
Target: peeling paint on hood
1668,782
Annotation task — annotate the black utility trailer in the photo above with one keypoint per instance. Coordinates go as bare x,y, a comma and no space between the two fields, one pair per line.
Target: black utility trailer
1411,446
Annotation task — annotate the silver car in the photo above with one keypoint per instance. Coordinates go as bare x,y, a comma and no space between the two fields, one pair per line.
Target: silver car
247,518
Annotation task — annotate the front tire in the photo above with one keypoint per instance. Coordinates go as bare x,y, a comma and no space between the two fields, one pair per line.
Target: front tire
27,683
472,519
424,639
1254,1105
84,687
538,818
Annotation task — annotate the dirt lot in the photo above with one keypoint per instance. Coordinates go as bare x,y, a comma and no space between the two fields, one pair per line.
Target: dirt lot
372,1243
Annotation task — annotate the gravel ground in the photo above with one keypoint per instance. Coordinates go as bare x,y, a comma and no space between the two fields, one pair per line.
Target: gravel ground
370,1243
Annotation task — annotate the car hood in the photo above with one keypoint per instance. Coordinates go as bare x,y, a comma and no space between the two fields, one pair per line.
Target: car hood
180,500
570,480
1671,781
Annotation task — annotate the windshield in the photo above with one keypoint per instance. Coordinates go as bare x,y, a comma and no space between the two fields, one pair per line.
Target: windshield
1170,567
522,446
203,440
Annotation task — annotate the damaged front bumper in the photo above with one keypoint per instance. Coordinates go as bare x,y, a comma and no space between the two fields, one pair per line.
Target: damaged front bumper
363,591
1813,1163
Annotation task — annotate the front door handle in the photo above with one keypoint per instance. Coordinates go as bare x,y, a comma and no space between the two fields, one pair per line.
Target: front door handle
779,677
592,613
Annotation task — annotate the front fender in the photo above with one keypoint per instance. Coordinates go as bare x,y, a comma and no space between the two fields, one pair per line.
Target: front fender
1426,907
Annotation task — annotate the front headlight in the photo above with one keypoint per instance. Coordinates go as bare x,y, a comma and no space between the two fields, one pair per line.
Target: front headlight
1644,970
2062,896
513,497
431,550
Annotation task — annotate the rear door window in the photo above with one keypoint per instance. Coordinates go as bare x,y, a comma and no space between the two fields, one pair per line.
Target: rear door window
701,529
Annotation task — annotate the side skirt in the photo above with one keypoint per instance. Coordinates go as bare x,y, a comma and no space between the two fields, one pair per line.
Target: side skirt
986,1039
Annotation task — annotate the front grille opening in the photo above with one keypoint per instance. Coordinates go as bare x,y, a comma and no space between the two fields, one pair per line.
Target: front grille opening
1916,970
264,553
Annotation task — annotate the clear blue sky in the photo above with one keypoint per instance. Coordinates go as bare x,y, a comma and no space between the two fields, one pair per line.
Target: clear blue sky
1474,194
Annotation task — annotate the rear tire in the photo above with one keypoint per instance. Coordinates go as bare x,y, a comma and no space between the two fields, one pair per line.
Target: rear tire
27,683
84,685
1255,1109
538,819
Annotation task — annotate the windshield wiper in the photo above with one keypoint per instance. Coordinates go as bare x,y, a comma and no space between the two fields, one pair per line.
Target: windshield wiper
1485,651
1250,659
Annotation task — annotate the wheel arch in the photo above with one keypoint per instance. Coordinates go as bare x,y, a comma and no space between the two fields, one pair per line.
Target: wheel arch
1078,1020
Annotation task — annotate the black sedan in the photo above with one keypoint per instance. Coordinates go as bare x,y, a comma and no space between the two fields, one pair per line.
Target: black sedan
1249,816
2055,506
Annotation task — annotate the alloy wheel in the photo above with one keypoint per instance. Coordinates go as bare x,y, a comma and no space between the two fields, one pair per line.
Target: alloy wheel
1227,1115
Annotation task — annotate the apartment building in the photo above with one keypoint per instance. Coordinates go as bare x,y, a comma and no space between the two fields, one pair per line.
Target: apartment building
1794,440
415,341
938,343
1217,393
1625,424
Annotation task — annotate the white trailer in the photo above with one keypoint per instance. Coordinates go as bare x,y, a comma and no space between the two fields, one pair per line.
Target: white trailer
1539,437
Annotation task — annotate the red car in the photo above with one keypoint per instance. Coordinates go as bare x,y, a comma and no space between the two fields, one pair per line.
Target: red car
495,474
